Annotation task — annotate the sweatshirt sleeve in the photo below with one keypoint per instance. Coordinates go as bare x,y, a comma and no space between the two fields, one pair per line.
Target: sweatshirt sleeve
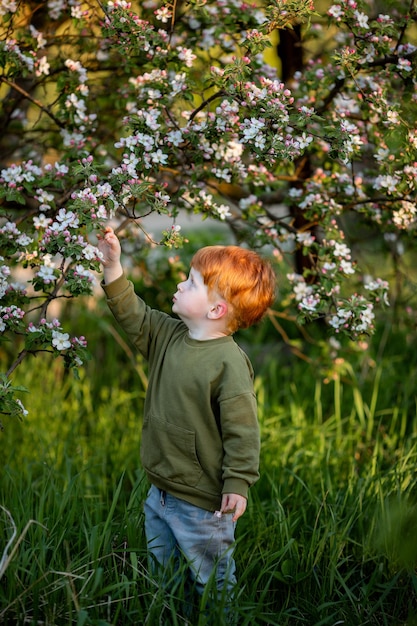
138,320
241,443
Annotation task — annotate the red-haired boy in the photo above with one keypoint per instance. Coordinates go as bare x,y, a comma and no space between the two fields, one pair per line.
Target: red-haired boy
200,436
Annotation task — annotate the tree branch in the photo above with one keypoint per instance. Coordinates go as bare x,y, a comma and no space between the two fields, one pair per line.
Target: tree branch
206,102
38,103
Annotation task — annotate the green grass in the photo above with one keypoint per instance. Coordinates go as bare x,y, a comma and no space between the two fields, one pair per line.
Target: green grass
328,538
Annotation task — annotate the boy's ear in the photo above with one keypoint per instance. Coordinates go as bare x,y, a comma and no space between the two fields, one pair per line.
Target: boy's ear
218,310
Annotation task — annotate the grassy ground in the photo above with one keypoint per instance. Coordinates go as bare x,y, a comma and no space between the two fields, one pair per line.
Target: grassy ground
329,535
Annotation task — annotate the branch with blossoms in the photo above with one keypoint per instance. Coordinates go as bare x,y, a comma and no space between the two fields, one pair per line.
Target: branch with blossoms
171,107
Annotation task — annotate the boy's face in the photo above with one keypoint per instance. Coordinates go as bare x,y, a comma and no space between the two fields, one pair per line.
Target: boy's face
192,302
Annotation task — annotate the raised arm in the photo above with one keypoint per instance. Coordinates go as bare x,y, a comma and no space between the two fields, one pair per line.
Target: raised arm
109,246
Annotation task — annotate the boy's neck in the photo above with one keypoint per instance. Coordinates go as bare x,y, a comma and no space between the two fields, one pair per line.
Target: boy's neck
204,334
209,329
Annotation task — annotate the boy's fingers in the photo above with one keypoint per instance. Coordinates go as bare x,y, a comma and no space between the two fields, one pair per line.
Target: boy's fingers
233,504
104,232
239,510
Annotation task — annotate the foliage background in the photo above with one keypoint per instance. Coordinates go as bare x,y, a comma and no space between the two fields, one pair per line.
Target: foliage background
329,537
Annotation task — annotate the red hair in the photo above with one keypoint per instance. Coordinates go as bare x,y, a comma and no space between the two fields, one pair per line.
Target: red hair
240,276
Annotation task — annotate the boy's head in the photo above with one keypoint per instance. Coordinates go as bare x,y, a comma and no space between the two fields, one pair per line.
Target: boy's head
239,276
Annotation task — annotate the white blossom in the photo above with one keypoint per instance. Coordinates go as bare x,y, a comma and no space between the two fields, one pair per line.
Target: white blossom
43,66
362,19
8,6
60,341
46,274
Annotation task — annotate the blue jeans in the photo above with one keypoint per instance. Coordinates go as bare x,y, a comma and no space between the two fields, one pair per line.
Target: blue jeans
176,529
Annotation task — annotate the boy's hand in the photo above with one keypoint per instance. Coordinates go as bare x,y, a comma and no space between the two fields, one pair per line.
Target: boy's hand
110,248
233,502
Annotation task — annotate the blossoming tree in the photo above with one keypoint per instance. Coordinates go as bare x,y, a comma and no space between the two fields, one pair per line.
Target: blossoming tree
115,109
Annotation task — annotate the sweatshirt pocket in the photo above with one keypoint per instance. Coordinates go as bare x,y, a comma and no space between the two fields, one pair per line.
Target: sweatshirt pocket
169,451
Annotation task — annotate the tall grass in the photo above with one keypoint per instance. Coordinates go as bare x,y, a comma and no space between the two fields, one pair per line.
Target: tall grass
328,538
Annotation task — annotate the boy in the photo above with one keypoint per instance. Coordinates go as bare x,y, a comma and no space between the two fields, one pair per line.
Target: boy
200,437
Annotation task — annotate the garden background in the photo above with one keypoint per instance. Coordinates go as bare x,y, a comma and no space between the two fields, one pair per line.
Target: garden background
318,171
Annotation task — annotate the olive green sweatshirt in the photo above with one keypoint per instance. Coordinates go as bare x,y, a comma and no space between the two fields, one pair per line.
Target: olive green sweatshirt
200,435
